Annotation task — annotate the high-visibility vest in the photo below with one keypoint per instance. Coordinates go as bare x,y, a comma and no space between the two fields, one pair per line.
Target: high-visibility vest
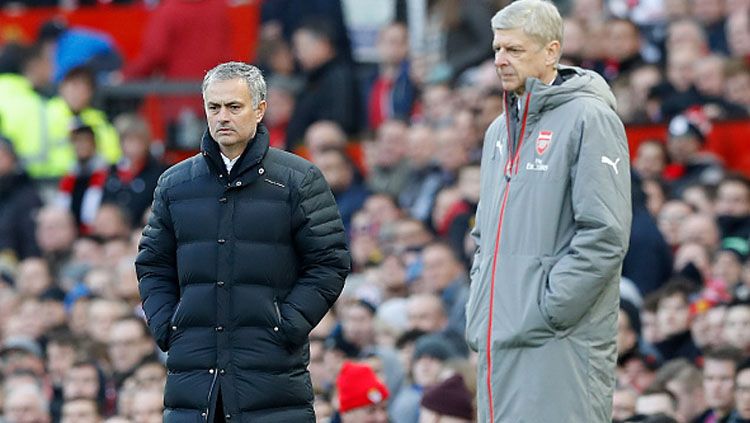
23,120
60,117
40,129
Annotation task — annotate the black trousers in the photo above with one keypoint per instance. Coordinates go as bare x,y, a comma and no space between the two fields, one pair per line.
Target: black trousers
219,411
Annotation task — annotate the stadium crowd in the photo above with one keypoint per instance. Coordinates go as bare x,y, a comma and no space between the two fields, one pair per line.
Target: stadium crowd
398,137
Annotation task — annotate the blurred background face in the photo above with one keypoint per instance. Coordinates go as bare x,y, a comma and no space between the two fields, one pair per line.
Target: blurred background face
421,146
84,144
575,40
33,277
324,135
426,370
55,230
372,414
742,394
727,268
737,327
738,88
650,160
738,34
358,325
393,44
642,79
623,40
60,359
440,268
24,405
390,146
280,106
680,69
672,214
718,383
134,146
426,313
80,411
673,315
437,101
77,92
81,382
733,199
709,76
336,171
451,153
708,11
148,406
310,50
128,345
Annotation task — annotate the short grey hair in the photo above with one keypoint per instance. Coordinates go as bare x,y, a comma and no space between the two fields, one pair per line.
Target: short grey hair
539,19
238,70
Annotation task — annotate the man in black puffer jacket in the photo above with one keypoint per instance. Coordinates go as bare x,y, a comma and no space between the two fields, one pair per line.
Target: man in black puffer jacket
243,254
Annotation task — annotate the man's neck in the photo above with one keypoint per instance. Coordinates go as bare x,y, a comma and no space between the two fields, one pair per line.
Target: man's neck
389,70
547,79
232,153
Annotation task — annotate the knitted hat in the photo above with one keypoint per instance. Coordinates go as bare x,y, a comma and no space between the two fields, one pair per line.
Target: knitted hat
433,345
450,398
359,387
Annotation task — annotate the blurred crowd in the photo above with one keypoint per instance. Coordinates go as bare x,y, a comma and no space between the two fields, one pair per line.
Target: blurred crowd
392,107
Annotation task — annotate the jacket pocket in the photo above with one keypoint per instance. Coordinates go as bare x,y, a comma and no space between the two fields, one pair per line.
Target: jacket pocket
277,331
546,263
517,321
173,323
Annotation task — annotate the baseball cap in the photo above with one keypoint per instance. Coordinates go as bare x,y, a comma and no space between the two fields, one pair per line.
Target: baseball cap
681,127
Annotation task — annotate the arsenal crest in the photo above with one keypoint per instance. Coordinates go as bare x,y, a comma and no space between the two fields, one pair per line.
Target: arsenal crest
542,141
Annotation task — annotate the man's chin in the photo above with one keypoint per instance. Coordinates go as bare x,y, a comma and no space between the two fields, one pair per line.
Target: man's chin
509,86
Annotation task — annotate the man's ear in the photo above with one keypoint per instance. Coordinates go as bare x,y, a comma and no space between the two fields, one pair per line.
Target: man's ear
260,111
552,53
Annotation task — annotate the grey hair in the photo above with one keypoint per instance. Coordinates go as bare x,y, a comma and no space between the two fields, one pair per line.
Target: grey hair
238,70
539,19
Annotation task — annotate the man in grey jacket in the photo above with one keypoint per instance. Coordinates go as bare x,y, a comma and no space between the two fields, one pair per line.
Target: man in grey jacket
552,229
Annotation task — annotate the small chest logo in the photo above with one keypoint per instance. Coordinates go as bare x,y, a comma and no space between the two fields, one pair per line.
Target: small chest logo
543,141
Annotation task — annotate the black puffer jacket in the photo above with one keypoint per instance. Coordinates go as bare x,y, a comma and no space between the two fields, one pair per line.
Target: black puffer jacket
19,203
234,271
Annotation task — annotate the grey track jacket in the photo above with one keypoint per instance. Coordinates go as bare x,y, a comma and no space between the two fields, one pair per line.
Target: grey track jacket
552,229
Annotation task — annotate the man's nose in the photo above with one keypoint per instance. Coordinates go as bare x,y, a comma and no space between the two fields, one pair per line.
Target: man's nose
501,58
223,114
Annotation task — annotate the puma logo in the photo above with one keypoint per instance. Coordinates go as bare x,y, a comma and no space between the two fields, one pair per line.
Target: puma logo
606,160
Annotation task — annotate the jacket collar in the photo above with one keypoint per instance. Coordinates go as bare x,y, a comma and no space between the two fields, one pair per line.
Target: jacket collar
254,153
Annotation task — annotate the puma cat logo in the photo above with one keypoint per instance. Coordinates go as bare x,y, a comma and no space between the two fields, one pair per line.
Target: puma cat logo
606,160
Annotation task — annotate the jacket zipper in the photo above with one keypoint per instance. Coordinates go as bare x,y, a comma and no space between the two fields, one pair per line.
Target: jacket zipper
511,163
210,392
